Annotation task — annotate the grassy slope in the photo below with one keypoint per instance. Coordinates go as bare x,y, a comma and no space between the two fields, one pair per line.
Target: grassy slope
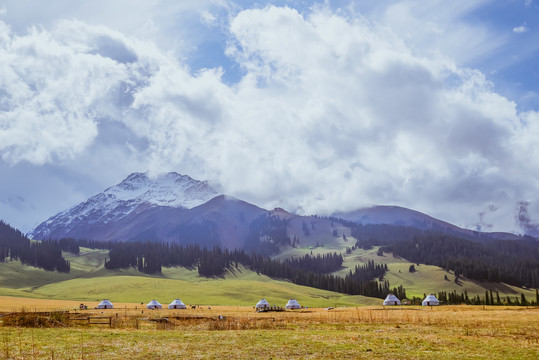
89,281
427,279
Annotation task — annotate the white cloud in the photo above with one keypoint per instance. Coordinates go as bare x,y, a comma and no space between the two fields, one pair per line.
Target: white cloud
334,112
520,29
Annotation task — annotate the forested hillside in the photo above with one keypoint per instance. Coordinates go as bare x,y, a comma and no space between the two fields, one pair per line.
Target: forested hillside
514,262
15,246
309,270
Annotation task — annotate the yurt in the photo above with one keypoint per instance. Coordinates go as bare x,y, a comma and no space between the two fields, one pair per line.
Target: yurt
391,300
293,304
263,304
177,304
105,304
154,304
430,300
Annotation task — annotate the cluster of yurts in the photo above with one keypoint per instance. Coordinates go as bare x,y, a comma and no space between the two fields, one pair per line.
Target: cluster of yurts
178,304
154,304
391,299
430,300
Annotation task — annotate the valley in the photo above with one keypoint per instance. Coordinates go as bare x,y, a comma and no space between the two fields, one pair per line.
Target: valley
90,281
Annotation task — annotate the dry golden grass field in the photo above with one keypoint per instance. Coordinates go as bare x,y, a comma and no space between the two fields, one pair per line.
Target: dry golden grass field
132,332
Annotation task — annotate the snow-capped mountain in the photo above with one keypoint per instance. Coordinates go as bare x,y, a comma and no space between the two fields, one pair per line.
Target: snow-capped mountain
137,193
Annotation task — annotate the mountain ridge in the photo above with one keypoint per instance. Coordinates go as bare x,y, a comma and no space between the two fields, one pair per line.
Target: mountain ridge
178,208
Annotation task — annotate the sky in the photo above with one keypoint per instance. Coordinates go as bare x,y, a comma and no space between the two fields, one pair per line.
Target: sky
315,107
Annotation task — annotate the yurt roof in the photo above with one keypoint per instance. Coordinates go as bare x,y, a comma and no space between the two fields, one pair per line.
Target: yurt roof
430,297
263,302
154,302
391,297
177,302
105,302
292,302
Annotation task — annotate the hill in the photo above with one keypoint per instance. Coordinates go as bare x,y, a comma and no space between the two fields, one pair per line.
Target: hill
399,216
90,281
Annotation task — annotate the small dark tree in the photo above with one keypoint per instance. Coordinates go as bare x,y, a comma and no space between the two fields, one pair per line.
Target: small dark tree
523,300
411,268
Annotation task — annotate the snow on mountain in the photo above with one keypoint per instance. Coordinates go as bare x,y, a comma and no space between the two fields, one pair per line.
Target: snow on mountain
136,193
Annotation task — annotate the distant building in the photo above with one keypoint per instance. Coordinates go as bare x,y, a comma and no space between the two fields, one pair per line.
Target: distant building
177,304
430,300
392,300
293,304
263,304
154,304
105,304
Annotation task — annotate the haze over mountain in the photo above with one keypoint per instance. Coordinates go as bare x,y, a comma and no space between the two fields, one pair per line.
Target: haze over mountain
176,208
170,207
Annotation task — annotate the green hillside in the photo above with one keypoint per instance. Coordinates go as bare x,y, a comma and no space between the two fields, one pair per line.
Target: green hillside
89,281
426,278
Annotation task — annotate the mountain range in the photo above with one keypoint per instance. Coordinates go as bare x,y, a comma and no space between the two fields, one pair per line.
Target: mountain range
176,208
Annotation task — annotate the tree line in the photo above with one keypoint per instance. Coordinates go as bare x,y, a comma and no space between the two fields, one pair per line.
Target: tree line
511,262
454,298
14,245
267,234
475,255
313,271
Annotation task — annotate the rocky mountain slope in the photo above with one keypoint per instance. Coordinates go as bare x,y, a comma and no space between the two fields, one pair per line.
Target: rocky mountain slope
177,208
136,194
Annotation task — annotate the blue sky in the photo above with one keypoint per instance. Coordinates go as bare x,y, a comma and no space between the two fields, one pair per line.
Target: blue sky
311,106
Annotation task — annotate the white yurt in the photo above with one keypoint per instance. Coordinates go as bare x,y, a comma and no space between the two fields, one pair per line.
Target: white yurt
177,304
430,300
263,304
154,304
392,300
293,304
105,304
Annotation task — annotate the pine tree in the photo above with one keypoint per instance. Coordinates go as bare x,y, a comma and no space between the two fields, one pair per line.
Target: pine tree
523,300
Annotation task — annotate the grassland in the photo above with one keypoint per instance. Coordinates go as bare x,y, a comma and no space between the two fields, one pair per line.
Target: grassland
449,332
90,282
426,279
346,332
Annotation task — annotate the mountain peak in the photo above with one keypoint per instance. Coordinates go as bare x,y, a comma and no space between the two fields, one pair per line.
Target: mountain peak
135,193
167,189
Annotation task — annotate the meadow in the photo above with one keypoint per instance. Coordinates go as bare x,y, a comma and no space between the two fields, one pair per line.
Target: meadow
374,332
355,327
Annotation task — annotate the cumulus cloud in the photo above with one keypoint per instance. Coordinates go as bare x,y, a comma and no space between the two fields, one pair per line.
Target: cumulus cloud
520,29
333,112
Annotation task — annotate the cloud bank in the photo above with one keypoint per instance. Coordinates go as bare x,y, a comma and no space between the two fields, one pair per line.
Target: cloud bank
333,111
